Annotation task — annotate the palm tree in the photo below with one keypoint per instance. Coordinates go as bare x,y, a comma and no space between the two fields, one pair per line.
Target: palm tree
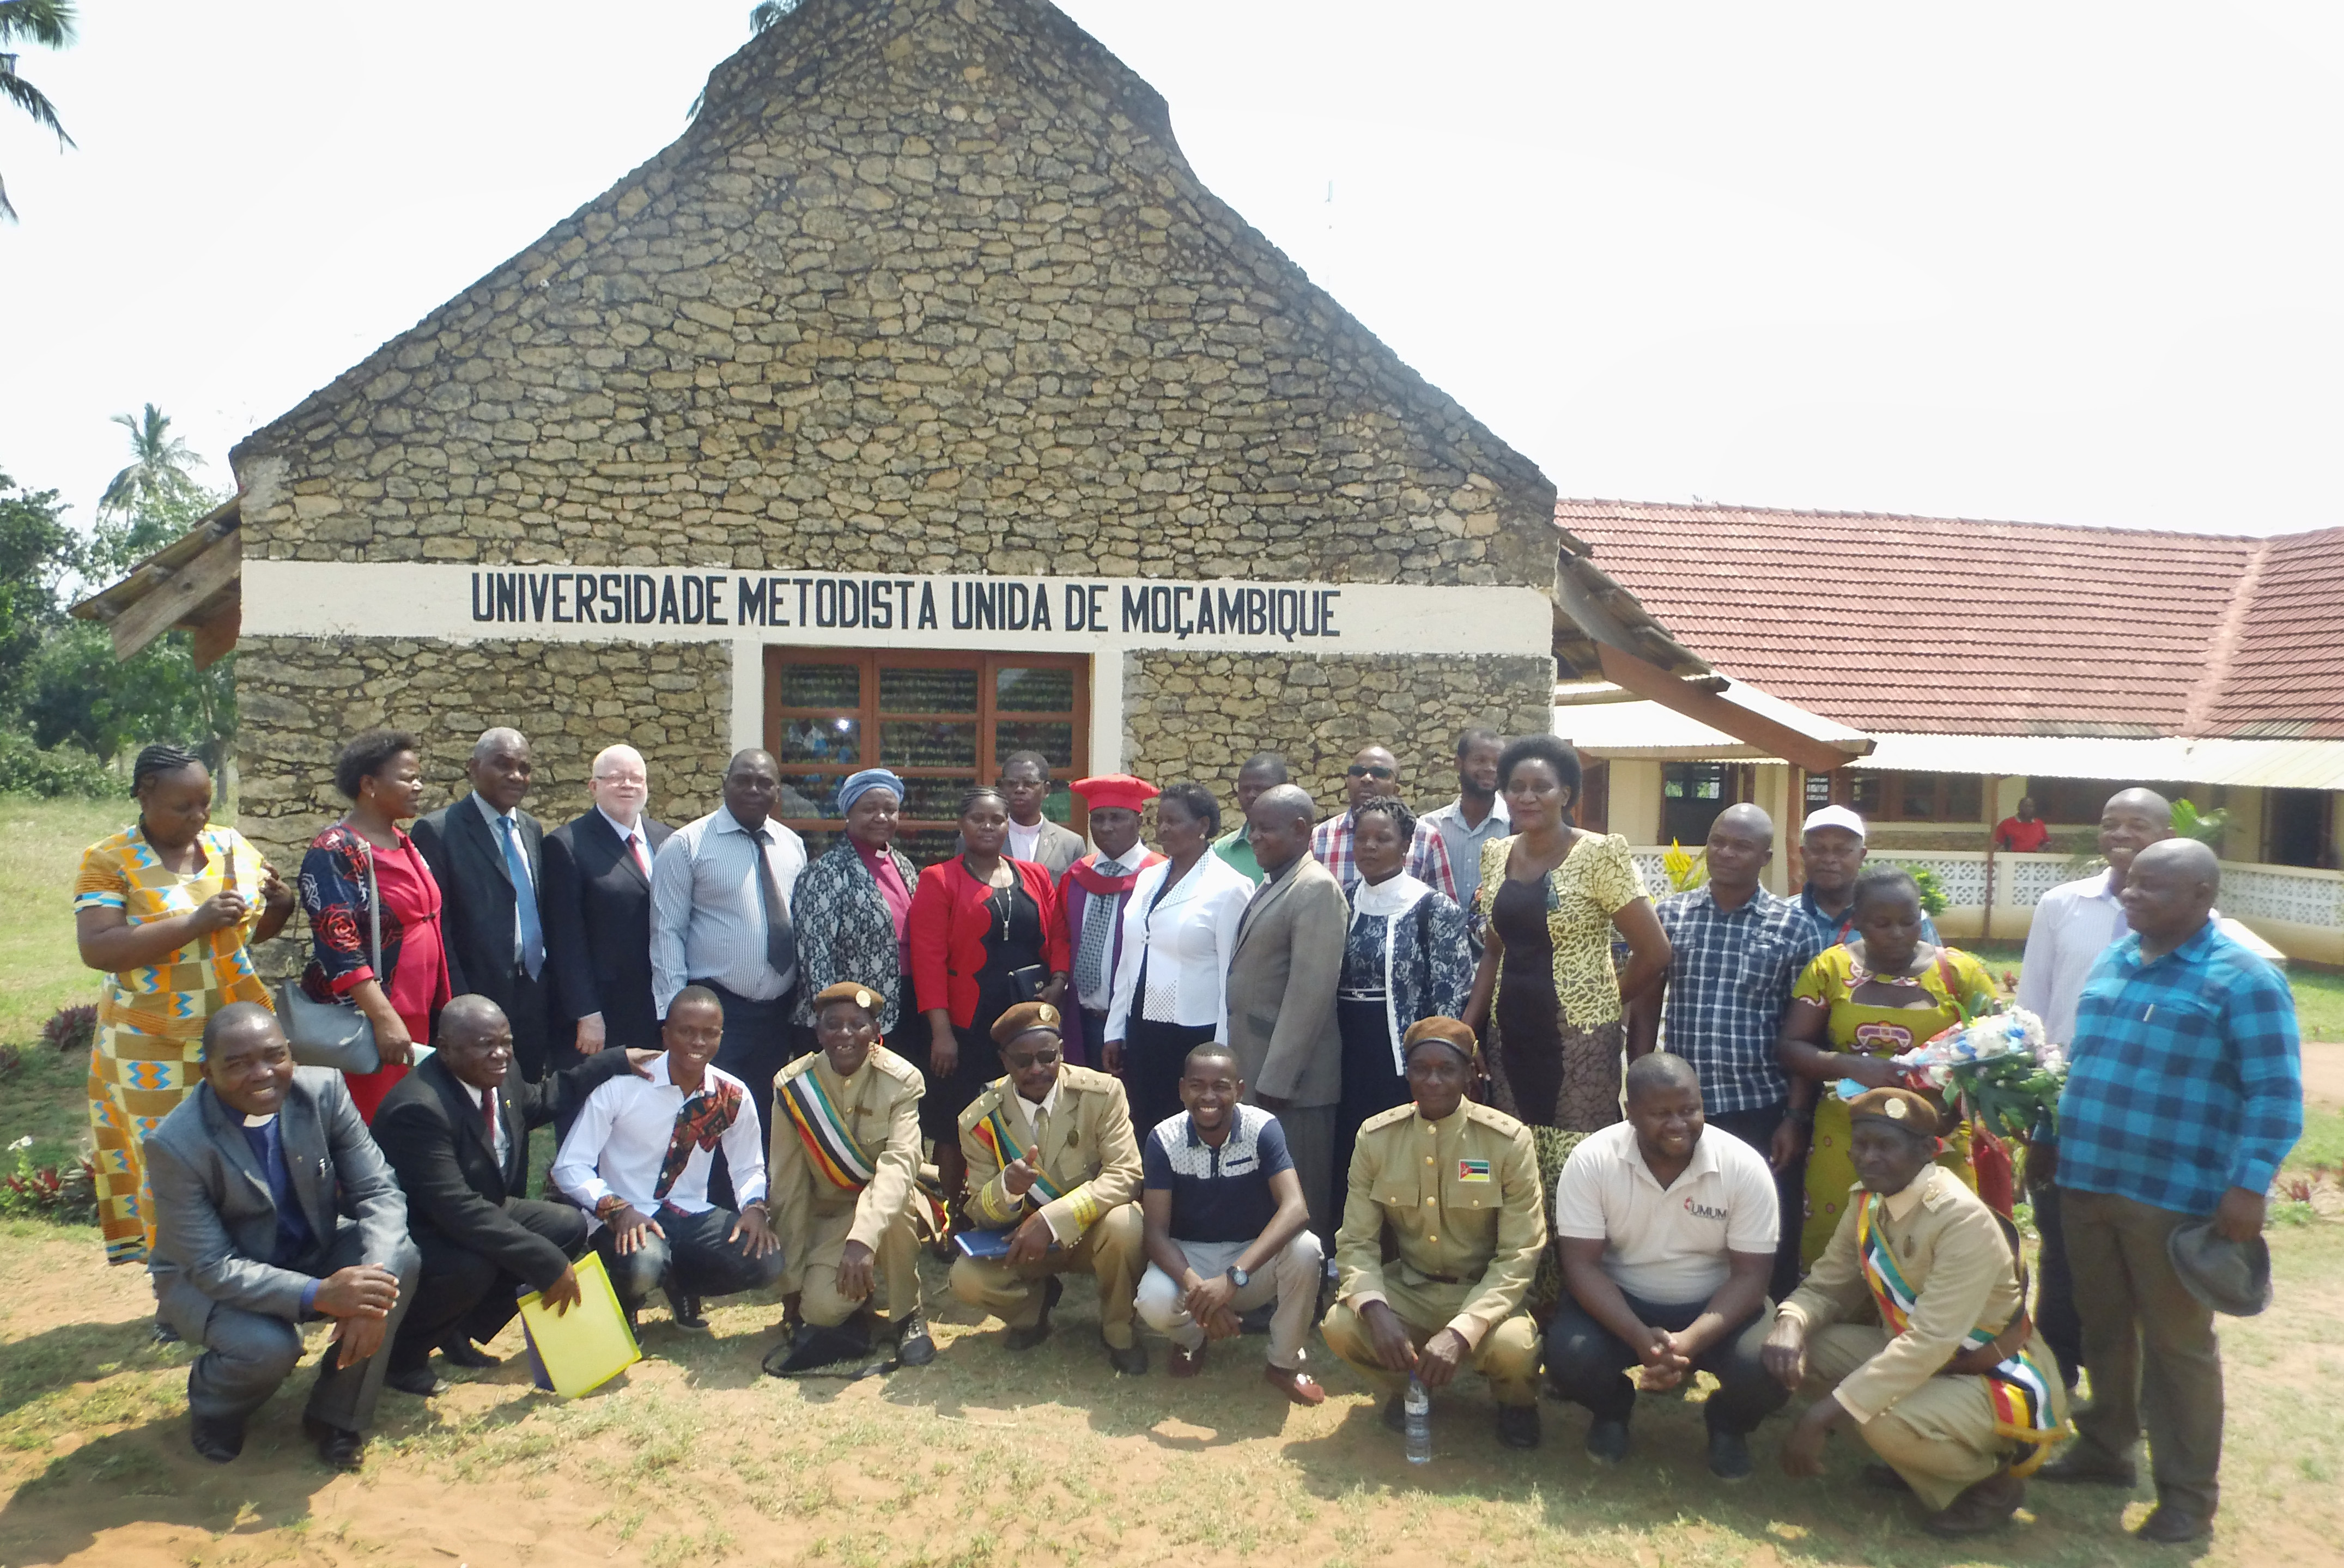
768,12
160,463
50,23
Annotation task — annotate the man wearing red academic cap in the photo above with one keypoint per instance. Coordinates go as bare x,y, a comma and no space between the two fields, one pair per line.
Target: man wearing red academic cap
1091,897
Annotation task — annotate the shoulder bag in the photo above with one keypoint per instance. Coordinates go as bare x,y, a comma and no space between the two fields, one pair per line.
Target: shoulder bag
333,1034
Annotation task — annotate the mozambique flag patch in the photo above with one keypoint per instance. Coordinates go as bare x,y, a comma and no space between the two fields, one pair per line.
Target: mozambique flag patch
1472,1171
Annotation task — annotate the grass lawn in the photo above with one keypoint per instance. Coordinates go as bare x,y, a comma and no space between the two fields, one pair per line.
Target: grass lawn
985,1460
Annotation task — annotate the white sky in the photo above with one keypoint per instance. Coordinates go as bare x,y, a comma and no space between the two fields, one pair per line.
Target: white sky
2073,263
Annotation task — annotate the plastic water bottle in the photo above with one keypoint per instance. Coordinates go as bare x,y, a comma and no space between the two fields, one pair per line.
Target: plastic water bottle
1416,1408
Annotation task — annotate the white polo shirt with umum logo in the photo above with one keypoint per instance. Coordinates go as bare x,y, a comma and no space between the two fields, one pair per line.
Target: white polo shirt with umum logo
1667,1245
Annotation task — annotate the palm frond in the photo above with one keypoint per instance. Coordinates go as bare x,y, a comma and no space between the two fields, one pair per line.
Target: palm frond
30,99
48,22
768,12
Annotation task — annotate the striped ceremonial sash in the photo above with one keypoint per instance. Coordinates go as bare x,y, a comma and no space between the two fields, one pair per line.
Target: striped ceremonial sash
2019,1387
828,1144
995,1134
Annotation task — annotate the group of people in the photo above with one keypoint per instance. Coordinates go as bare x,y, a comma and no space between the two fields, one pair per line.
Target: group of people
1350,1073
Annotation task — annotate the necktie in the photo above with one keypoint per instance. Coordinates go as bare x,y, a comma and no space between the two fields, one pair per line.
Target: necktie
531,934
641,852
781,939
489,1118
1098,923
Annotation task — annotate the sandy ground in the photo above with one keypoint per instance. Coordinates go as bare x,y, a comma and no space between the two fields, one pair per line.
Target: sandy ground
2323,1074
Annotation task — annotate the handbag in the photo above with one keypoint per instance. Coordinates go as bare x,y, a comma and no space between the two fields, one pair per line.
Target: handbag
329,1034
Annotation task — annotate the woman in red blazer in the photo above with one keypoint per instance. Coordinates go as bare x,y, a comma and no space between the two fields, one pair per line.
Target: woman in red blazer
984,935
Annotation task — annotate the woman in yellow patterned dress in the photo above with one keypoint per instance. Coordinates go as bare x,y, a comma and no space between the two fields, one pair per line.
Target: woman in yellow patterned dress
1859,1004
168,908
1547,990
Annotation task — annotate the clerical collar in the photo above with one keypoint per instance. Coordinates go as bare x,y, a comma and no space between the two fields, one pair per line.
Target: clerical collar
260,1120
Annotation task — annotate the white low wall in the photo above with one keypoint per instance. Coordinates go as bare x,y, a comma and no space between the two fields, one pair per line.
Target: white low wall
2300,912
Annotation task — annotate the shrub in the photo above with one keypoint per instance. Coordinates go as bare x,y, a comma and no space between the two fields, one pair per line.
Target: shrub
26,769
71,1030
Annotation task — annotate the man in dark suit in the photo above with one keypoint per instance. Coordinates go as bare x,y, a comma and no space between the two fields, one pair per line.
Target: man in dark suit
597,915
250,1243
481,1243
487,855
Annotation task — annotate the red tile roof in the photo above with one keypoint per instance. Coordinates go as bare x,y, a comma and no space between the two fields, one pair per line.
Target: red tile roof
1959,626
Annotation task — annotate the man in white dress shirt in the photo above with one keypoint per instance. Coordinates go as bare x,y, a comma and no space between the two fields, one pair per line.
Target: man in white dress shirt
638,1161
1473,819
720,891
2074,924
1024,783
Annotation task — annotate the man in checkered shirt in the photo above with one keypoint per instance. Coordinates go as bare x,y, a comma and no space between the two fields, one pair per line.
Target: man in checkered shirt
2185,1091
1376,772
1738,950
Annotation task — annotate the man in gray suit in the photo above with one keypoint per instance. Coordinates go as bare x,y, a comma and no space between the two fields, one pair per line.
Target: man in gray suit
1281,993
250,1243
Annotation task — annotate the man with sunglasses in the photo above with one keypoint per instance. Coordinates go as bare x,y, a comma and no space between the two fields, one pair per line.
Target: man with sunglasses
1376,772
1052,1162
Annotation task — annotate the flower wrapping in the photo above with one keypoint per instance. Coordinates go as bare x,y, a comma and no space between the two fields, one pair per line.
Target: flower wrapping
2000,1068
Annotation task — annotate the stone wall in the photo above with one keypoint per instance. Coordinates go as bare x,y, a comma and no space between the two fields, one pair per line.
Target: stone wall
300,700
927,287
1200,715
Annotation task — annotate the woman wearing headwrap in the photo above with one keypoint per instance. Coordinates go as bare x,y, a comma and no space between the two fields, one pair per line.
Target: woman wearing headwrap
1404,959
852,905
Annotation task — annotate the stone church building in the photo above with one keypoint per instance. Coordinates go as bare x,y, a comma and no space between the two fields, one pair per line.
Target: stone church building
918,405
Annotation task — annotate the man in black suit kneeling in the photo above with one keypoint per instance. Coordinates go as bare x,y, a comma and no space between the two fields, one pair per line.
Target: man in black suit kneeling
456,1132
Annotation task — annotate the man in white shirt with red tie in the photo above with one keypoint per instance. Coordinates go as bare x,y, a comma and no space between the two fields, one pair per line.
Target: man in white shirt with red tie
638,1161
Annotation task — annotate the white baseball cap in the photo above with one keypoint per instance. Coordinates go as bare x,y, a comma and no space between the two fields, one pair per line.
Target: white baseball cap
1837,816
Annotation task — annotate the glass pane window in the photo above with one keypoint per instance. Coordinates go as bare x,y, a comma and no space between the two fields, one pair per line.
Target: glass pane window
1033,691
1055,740
935,799
918,691
837,740
821,686
916,743
809,796
1964,797
1920,797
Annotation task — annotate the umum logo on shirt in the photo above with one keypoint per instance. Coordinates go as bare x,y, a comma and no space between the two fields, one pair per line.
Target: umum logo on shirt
1703,1211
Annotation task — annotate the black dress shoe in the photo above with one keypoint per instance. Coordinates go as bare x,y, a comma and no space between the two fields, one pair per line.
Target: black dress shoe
217,1438
686,1312
914,1346
2076,1468
421,1381
2172,1524
1129,1360
1518,1426
1607,1441
341,1448
460,1352
1729,1456
1395,1416
1026,1337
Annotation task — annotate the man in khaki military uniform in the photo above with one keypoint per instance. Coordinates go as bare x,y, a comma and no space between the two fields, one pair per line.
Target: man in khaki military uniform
1952,1385
1458,1184
843,1186
1050,1152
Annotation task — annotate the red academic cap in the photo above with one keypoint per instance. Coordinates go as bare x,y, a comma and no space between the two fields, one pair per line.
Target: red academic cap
1111,792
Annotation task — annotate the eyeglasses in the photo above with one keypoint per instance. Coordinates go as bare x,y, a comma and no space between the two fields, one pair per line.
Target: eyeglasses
620,779
1367,771
1038,1060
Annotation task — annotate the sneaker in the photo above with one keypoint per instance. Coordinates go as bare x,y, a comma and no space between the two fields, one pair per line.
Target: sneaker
1729,1456
687,1312
1607,1441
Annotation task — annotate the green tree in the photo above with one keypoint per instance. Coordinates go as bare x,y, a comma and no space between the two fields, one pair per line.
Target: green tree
768,12
50,23
161,472
36,551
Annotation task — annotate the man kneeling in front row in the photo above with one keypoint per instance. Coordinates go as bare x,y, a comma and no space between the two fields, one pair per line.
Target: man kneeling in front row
1667,1236
1050,1152
1456,1185
1227,1228
637,1161
251,1174
1953,1387
846,1178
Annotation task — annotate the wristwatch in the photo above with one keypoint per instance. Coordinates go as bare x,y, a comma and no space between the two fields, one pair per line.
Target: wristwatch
1239,1277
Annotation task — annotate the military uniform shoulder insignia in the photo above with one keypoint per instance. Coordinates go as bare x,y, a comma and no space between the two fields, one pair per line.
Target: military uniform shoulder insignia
1490,1115
1388,1118
804,1062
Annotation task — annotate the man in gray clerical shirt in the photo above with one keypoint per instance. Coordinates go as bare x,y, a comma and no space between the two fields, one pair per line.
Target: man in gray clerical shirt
720,891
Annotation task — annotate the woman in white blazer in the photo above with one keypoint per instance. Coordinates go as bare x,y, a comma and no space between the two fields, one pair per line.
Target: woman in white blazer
1178,928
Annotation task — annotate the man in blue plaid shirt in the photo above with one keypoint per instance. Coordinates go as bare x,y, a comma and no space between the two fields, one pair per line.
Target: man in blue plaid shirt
2183,1093
1739,949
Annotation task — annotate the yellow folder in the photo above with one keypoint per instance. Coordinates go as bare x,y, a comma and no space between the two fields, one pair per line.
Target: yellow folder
575,1352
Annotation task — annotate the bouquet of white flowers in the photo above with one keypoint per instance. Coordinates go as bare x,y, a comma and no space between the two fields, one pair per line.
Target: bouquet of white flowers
1998,1068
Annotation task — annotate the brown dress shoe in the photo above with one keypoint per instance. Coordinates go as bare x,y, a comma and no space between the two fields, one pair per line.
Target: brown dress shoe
1298,1386
2171,1524
1986,1505
1184,1362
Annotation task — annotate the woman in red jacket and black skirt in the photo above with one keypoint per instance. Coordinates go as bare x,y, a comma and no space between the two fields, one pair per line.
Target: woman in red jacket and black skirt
984,936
